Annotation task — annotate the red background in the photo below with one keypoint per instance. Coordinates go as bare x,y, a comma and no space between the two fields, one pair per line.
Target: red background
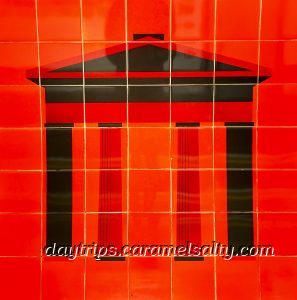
247,30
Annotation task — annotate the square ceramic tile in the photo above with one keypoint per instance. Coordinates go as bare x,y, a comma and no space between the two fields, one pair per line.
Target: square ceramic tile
194,187
273,113
103,276
20,19
193,20
27,99
278,276
237,22
278,57
228,270
106,190
29,286
141,231
20,59
276,148
192,227
276,185
155,282
106,146
21,191
20,149
275,230
234,146
61,229
235,190
50,17
104,21
20,234
58,64
148,18
107,228
53,284
149,191
191,146
278,20
149,148
194,286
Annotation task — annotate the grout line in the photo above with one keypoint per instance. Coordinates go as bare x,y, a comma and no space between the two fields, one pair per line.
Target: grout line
128,142
141,42
202,127
257,141
84,139
143,212
143,169
213,144
170,145
41,144
263,83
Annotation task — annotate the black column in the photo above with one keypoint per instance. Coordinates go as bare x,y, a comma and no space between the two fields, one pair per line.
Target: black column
240,184
59,184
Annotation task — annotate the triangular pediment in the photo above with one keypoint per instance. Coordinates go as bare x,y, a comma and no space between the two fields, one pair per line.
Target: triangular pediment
149,58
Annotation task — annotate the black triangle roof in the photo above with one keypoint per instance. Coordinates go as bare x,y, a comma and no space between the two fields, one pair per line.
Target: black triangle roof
149,58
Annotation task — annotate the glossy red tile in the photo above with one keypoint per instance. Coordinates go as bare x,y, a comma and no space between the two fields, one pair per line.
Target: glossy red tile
107,228
191,146
237,63
197,228
20,18
154,282
21,191
271,112
280,59
19,58
278,20
53,278
278,277
275,229
193,20
227,271
194,185
149,229
103,276
59,63
20,149
104,21
27,285
235,146
238,196
20,234
27,99
237,22
148,18
202,275
106,146
276,191
237,229
61,229
149,191
61,196
149,148
56,26
276,148
106,191
239,53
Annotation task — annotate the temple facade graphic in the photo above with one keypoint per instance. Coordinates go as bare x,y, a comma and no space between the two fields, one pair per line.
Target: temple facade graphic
153,82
